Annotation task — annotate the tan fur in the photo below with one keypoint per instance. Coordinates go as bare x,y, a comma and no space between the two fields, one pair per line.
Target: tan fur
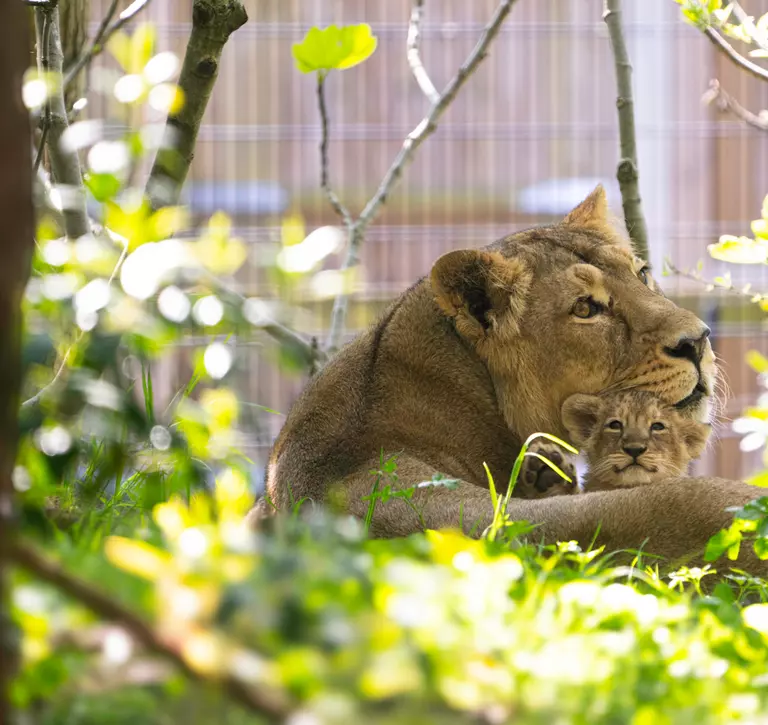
470,361
632,439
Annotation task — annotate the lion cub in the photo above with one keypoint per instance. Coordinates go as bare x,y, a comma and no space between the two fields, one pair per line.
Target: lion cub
631,439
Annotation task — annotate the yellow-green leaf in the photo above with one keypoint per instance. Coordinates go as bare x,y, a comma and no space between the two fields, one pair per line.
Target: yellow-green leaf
292,230
142,47
333,47
362,43
739,250
119,45
137,557
757,361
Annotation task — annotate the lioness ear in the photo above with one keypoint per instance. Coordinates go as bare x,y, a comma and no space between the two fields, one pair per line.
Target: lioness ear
480,289
696,435
581,415
592,213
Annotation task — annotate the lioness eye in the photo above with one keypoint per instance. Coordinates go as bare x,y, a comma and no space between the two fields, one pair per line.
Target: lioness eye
614,425
658,426
643,275
586,307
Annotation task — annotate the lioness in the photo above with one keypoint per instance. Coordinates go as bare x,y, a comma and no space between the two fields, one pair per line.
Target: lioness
468,362
632,439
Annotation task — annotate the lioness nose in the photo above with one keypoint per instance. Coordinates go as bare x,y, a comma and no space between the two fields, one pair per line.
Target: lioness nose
635,451
690,348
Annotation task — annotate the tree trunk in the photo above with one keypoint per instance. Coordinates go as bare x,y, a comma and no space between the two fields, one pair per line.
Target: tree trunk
17,243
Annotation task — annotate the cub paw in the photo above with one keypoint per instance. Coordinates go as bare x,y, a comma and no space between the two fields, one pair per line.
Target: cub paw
538,480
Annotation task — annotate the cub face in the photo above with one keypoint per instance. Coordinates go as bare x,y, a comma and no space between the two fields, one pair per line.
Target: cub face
632,438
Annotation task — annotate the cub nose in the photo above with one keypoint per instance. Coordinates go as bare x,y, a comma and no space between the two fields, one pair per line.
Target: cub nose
635,451
690,348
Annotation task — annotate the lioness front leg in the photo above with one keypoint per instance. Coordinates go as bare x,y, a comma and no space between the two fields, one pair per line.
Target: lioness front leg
538,480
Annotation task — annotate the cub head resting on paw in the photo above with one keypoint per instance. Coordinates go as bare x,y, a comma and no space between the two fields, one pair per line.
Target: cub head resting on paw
631,438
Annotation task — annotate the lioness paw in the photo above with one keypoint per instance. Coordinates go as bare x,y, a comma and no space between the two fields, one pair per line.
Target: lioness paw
538,480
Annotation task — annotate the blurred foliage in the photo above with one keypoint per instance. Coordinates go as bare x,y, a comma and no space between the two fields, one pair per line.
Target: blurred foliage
147,501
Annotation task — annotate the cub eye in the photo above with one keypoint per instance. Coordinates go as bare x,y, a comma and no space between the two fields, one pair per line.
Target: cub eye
586,307
658,426
614,425
643,275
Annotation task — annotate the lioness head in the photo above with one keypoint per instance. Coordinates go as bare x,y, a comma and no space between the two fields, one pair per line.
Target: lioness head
632,438
567,309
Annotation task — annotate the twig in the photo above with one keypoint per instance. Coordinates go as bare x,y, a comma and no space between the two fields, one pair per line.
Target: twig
65,165
723,45
213,21
725,103
755,297
415,138
17,242
414,58
626,172
325,184
267,704
45,65
103,34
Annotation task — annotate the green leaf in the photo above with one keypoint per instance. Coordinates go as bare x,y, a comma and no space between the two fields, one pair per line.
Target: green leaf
761,548
333,48
725,541
102,186
761,480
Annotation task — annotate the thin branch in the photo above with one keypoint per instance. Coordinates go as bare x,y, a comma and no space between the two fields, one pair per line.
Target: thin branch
626,172
755,297
325,184
426,127
263,702
45,65
725,103
414,58
65,164
723,45
213,21
103,34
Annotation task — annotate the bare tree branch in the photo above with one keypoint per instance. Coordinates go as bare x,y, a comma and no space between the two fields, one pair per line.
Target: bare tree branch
425,128
414,58
213,21
725,103
65,165
16,211
723,45
266,703
103,34
325,184
626,172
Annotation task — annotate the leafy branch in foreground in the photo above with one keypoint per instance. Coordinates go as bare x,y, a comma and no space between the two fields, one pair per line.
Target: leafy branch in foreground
333,48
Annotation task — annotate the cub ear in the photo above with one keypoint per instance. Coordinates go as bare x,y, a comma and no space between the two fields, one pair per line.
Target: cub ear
581,415
696,435
480,290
